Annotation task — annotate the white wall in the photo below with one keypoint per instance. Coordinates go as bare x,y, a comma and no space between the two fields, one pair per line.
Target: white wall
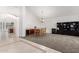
14,11
54,14
28,20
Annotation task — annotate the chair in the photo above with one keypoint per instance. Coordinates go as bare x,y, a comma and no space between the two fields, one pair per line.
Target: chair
36,32
43,31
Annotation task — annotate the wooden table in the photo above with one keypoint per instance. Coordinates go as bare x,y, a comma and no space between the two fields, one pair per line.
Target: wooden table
35,31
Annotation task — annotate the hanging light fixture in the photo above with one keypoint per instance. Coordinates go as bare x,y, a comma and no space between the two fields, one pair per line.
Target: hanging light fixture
42,18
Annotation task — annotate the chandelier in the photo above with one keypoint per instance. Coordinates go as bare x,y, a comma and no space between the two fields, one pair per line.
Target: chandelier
43,17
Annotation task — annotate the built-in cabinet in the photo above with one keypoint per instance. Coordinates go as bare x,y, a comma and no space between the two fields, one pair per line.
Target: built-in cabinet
67,28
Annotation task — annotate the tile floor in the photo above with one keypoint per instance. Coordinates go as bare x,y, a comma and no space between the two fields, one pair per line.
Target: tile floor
62,43
18,45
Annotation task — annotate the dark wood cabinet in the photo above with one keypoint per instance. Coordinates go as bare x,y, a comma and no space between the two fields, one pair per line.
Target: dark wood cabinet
54,30
11,30
68,28
29,31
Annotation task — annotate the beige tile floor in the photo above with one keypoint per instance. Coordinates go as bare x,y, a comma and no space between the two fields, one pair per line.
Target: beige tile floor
18,45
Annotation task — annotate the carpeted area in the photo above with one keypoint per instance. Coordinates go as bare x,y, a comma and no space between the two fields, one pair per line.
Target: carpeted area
62,43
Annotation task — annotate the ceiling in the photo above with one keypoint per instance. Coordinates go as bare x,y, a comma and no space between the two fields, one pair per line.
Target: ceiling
53,11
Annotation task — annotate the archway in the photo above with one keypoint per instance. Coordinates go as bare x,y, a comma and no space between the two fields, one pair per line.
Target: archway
9,23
